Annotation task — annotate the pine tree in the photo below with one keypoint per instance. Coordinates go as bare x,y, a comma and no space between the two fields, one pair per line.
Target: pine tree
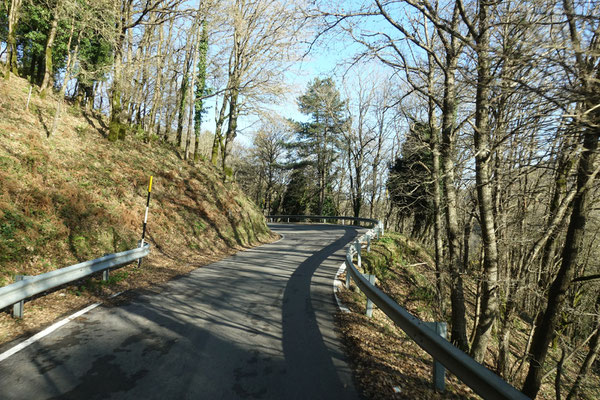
319,139
297,195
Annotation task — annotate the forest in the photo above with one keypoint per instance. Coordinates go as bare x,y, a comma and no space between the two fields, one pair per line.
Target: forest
470,125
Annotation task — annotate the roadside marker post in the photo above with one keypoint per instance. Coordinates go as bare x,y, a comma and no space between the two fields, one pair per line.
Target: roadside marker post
358,255
145,218
28,98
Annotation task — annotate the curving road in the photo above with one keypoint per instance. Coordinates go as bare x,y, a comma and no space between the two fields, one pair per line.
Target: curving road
258,325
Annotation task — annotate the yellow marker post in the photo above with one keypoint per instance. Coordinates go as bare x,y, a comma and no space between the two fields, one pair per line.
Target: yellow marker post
145,218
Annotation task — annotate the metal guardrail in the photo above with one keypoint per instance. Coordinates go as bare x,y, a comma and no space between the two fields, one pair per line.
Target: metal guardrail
322,218
18,291
483,381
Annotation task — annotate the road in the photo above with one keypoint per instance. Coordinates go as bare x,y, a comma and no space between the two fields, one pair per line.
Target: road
257,325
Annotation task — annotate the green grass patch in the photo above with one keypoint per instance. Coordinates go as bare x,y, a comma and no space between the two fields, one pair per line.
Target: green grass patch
13,238
198,227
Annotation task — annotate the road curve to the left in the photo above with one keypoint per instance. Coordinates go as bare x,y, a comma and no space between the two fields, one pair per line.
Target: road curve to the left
257,325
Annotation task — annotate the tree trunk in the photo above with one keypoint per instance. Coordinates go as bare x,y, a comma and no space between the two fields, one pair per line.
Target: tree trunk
201,88
117,128
170,112
192,93
71,58
157,94
33,62
375,166
457,298
11,40
48,53
231,127
184,88
587,121
489,298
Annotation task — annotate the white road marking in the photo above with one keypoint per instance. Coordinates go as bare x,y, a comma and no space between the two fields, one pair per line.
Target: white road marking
14,350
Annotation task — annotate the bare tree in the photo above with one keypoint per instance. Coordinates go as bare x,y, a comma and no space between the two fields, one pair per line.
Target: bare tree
264,39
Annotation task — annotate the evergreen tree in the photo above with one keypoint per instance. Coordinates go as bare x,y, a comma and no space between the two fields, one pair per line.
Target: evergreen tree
297,195
31,36
319,139
409,183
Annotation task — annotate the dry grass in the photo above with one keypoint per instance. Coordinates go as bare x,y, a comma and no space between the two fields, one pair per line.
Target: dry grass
75,196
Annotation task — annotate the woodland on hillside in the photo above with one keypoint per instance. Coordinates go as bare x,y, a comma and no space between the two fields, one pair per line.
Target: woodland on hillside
479,136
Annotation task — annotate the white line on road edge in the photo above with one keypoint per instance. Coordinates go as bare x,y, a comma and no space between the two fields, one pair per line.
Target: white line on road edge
336,284
49,330
45,332
280,239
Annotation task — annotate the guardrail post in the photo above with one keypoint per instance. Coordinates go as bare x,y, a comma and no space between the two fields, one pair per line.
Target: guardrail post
106,272
369,310
368,243
358,257
18,308
439,372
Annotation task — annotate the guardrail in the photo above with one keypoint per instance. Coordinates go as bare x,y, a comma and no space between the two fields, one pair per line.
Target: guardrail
483,381
323,218
30,286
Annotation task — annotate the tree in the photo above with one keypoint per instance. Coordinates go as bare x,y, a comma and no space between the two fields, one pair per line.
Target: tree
202,90
129,14
49,46
269,150
409,182
296,198
319,139
483,173
363,141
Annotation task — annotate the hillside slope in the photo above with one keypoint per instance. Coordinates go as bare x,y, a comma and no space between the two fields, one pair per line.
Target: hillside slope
74,196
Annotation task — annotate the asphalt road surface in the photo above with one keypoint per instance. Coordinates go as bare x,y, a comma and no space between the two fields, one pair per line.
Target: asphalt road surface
258,325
